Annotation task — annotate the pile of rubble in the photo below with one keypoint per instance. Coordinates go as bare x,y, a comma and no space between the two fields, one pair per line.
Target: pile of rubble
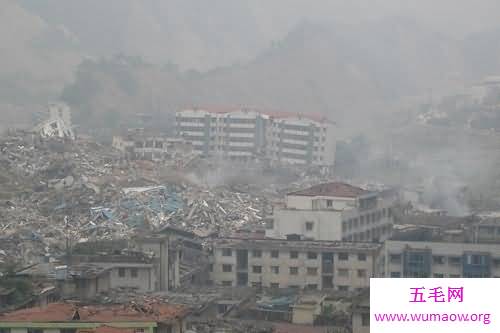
55,192
140,207
47,186
219,211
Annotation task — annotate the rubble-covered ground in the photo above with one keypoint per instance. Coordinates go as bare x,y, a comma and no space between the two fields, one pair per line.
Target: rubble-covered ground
55,193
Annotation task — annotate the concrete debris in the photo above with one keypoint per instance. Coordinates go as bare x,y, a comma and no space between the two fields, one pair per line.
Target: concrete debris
220,211
58,123
55,193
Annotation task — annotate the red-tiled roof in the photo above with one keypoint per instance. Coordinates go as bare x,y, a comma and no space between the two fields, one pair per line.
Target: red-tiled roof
63,312
334,189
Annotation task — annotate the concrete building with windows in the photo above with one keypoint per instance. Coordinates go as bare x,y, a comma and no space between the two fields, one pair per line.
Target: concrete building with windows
90,280
334,212
469,251
440,259
233,133
273,263
301,140
360,310
137,145
245,134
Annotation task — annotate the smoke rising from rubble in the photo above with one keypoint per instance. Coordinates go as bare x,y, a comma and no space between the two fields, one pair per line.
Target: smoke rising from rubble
443,187
225,173
434,177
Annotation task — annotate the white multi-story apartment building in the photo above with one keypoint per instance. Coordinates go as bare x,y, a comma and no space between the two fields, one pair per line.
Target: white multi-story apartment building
196,126
332,211
247,133
293,264
301,140
233,134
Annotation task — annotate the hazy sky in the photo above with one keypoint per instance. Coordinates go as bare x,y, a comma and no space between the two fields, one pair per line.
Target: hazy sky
456,17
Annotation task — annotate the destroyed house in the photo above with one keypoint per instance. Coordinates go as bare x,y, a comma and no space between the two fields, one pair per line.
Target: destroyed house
335,212
90,271
312,265
87,281
166,252
193,262
141,146
65,317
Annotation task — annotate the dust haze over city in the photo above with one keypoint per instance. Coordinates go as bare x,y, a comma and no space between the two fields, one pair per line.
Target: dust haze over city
157,155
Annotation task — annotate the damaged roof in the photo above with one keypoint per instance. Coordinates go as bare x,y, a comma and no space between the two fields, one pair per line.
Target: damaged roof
334,189
66,312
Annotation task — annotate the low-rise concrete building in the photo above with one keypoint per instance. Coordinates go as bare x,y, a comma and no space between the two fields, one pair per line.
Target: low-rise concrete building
468,249
166,259
440,259
87,281
138,145
360,313
335,212
293,264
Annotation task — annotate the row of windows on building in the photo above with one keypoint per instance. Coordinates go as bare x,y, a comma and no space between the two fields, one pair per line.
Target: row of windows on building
366,219
424,275
298,127
203,120
489,231
305,137
342,256
233,120
478,260
148,144
122,272
276,285
293,270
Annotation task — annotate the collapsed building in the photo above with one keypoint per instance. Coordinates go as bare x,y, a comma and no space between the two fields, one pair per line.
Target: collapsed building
57,123
136,144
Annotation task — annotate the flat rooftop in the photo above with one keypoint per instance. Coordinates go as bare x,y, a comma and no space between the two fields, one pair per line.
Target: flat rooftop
269,113
294,245
334,189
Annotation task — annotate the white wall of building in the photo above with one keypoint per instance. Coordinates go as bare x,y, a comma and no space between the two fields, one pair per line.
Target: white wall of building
331,218
144,281
326,225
